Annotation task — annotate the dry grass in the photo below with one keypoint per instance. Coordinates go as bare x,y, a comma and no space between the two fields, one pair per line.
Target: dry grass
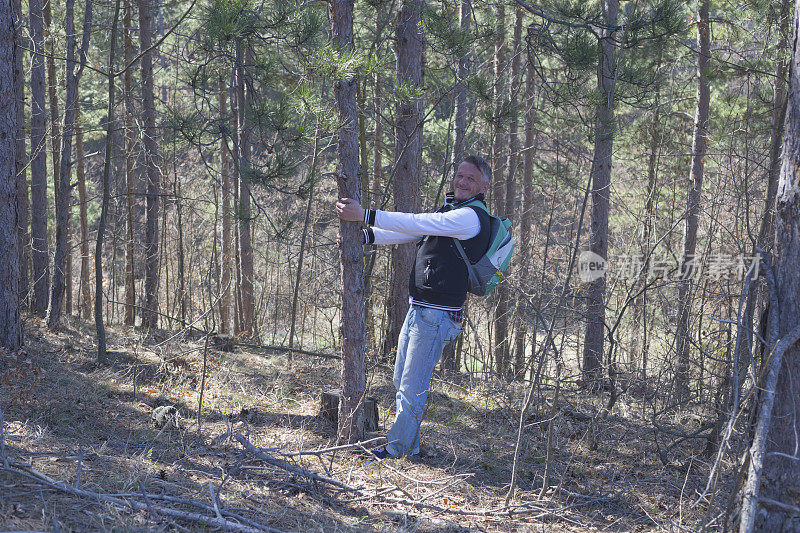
65,416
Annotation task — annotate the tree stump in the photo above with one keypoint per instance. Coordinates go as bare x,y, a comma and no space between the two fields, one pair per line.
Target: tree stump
329,409
223,343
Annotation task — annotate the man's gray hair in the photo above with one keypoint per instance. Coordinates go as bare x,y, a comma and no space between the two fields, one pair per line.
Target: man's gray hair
482,165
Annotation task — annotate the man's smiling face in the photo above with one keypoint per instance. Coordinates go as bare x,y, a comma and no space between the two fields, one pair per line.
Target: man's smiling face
468,182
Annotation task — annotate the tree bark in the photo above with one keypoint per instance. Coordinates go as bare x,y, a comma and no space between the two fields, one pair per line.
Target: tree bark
461,105
351,411
63,190
781,469
526,215
39,257
10,327
245,245
21,158
85,307
102,356
699,142
408,157
130,283
52,86
498,96
225,297
151,159
601,185
766,232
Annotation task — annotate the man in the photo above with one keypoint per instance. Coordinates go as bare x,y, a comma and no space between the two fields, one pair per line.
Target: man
437,287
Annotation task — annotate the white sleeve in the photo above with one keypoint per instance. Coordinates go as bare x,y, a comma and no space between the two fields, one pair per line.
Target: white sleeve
382,236
460,223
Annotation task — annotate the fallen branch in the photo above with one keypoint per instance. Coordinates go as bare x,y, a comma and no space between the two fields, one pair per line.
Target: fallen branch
217,522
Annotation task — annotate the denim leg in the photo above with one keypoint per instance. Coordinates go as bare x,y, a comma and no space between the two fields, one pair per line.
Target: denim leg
426,333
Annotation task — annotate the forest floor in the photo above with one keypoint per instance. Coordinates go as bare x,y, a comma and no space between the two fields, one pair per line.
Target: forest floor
84,455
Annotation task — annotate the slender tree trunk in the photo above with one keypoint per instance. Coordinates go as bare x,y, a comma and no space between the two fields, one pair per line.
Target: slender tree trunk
10,327
408,155
225,298
351,412
511,315
63,191
777,452
306,222
152,159
130,281
21,157
499,297
601,188
638,345
461,105
39,257
498,97
460,112
779,102
245,246
683,329
102,356
526,215
84,291
52,88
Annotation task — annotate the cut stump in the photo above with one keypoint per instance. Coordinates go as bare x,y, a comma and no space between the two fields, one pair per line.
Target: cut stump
329,409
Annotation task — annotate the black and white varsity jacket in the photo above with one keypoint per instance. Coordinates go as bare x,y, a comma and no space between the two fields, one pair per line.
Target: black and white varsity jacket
439,276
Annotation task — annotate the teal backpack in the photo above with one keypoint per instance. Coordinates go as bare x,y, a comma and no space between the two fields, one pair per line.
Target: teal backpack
488,271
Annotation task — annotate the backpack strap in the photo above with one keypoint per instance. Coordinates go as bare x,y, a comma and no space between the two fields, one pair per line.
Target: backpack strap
473,278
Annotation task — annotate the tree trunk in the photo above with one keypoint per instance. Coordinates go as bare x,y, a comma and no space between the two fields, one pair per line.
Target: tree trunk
245,246
461,105
130,283
52,86
21,158
63,190
306,223
84,291
498,95
10,327
766,232
351,412
151,159
683,329
526,216
225,297
601,185
408,157
639,344
39,256
781,470
102,356
460,112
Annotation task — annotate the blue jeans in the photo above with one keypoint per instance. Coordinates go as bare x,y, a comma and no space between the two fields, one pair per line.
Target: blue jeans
425,333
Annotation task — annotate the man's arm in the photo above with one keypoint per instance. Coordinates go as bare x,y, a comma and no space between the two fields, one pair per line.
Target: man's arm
382,236
461,224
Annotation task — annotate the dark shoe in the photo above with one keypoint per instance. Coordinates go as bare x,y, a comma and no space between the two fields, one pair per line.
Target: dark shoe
381,453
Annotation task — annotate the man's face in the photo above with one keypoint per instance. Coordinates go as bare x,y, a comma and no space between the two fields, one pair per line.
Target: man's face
468,182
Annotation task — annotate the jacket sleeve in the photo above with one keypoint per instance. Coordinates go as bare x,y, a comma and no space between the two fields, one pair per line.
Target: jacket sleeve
381,236
460,224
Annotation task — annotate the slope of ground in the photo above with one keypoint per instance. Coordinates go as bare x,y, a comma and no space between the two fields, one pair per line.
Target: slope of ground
84,455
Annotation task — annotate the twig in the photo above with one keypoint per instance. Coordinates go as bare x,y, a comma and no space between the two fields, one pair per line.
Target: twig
214,499
3,440
285,465
164,511
333,448
286,349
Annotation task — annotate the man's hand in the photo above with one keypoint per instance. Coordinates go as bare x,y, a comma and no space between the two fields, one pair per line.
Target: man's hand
350,210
